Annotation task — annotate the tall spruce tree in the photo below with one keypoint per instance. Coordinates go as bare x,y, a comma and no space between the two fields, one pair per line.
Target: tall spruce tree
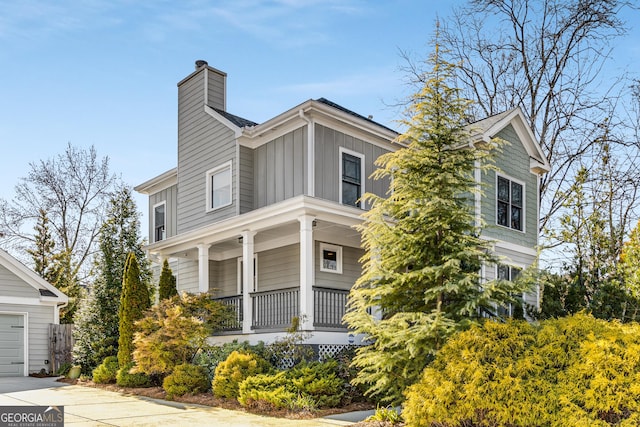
133,303
43,253
97,323
421,270
167,283
54,266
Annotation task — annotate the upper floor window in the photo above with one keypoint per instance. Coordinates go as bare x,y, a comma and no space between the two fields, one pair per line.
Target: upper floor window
159,222
510,204
351,177
219,187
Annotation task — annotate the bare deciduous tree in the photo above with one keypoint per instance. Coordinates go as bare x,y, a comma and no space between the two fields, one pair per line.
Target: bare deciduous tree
547,57
72,189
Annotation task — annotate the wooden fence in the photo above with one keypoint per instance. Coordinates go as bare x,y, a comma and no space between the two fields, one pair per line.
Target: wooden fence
60,345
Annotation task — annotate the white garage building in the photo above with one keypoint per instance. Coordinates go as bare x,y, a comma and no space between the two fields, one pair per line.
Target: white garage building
28,304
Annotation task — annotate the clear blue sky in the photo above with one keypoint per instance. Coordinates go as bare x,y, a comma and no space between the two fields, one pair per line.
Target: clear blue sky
104,72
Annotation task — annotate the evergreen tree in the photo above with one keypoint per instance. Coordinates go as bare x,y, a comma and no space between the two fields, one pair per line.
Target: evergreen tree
55,267
96,329
167,283
421,270
43,252
133,303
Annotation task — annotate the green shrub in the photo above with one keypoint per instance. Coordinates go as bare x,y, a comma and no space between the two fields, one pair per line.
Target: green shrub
305,387
185,379
289,350
106,372
126,378
266,391
346,371
167,282
134,300
235,369
319,380
209,357
570,371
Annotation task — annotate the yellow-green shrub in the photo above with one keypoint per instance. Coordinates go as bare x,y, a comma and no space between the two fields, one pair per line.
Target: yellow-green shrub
569,371
319,381
106,372
186,378
235,369
126,377
307,385
266,391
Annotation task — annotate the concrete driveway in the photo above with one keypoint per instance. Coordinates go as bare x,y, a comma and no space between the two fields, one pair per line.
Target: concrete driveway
86,406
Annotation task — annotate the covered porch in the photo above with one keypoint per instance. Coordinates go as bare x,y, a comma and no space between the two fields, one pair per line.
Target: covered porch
305,255
273,310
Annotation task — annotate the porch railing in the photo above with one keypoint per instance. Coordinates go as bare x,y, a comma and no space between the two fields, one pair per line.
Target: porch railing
328,307
235,302
276,309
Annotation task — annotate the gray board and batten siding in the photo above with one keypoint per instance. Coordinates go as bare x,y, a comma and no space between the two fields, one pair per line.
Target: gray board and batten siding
513,163
327,162
169,196
197,154
279,168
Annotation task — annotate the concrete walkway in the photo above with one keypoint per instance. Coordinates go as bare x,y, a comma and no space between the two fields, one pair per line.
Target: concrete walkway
87,406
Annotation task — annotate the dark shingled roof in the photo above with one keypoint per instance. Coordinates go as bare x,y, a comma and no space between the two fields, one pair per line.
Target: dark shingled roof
353,113
241,122
47,293
238,121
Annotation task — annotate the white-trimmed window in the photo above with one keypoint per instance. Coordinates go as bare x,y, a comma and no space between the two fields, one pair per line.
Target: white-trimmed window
330,258
159,222
240,275
510,197
352,177
511,273
219,187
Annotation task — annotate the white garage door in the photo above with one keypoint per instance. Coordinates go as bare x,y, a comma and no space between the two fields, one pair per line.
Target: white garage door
11,345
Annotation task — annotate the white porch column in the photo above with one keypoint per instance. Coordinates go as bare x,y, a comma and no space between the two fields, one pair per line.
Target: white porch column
203,267
247,280
306,272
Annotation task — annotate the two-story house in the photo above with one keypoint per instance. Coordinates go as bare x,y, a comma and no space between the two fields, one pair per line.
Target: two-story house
261,215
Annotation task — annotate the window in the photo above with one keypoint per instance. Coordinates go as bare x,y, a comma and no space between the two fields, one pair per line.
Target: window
255,274
507,272
510,204
219,187
351,177
159,224
330,258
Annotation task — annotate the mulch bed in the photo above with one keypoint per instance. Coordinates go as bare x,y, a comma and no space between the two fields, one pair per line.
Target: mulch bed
208,399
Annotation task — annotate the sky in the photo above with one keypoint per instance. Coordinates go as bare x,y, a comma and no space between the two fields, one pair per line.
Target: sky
104,72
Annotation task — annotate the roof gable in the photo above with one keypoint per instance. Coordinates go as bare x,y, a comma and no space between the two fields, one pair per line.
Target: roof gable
488,128
30,278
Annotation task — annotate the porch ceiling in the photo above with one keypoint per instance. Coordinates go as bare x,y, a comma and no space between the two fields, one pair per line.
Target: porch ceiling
275,225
